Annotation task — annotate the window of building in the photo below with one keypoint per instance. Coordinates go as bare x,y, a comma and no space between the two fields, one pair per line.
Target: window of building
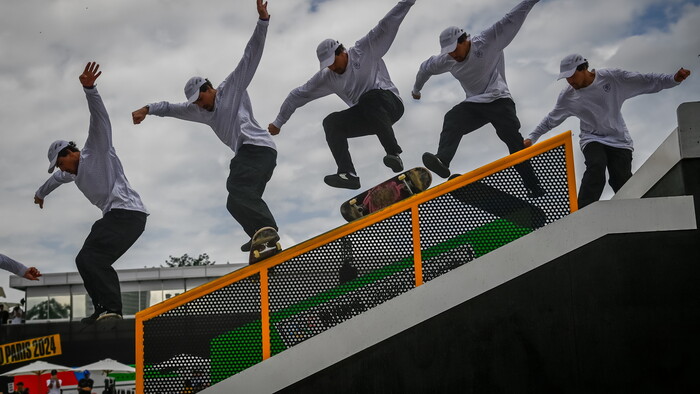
59,307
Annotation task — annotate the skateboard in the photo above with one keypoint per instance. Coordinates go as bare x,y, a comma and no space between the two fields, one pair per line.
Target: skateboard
264,244
391,191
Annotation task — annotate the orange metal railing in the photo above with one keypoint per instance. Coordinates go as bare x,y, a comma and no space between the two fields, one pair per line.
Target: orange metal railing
411,204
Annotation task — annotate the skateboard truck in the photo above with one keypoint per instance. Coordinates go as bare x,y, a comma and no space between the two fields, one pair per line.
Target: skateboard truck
360,208
402,178
264,244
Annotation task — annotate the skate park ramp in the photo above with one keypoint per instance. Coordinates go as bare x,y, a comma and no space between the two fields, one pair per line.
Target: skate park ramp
468,286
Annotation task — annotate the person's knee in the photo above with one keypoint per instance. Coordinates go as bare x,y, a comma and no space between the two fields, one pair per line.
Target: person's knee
451,120
80,260
380,114
331,122
513,140
242,200
83,260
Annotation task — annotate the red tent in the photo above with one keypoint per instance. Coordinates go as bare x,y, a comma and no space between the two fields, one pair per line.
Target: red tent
37,383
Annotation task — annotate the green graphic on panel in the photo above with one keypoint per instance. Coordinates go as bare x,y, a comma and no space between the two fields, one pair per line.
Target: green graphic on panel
292,325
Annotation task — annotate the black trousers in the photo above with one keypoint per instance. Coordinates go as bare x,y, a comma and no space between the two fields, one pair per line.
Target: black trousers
109,238
599,157
375,113
466,117
250,170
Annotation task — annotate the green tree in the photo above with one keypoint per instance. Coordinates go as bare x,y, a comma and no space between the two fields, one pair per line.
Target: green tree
187,261
50,309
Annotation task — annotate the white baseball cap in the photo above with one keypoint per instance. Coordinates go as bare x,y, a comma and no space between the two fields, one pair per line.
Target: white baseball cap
192,88
326,52
568,65
54,148
449,37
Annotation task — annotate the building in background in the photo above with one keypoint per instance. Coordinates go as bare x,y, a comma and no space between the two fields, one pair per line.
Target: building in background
56,303
61,297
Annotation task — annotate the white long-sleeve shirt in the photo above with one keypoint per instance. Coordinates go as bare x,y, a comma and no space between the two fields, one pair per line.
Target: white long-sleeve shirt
482,74
100,173
366,69
598,106
11,265
232,118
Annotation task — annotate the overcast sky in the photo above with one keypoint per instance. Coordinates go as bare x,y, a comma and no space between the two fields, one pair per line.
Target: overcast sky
148,49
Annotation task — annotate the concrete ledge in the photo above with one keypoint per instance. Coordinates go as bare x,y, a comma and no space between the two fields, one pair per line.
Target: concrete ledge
689,129
682,143
131,275
667,155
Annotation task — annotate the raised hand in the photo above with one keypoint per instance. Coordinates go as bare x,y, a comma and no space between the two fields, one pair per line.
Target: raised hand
90,74
262,10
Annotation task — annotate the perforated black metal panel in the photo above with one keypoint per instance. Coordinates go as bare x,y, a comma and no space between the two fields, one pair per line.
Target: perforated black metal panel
482,216
319,289
192,340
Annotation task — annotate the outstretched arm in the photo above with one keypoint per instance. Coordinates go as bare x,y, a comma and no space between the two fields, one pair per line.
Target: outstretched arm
379,39
505,30
433,66
18,268
555,117
313,89
637,83
55,180
182,111
100,130
245,71
233,87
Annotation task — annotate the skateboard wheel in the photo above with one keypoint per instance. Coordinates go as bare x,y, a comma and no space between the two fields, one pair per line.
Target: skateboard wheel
279,246
256,254
402,177
353,201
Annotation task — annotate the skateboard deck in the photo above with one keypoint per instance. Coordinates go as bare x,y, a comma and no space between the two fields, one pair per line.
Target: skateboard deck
264,244
393,190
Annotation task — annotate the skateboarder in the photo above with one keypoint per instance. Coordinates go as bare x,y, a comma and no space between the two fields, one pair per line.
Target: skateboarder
18,268
478,64
360,78
228,111
596,98
98,173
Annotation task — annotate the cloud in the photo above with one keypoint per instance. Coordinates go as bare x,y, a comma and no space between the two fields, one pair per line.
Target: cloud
148,50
